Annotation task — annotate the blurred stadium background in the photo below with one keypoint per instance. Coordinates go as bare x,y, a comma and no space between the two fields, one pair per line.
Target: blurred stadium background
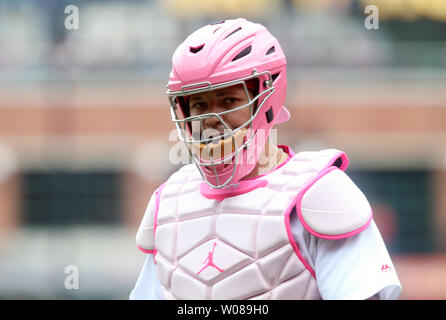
85,127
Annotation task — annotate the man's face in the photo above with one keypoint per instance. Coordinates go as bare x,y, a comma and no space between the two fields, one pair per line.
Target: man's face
217,101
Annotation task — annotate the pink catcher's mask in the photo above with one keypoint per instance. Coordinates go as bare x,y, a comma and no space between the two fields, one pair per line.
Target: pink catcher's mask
221,55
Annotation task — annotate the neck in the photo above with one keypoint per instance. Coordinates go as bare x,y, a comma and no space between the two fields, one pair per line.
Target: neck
271,157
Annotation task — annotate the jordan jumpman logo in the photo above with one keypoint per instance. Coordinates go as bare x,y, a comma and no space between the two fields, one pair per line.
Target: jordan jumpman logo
210,260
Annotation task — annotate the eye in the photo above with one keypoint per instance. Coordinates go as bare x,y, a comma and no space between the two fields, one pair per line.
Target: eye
229,101
197,105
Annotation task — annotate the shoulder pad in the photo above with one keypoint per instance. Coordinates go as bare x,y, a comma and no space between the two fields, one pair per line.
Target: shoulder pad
331,206
145,237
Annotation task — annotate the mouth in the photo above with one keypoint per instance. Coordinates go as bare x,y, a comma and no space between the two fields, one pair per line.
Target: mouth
218,146
213,136
216,140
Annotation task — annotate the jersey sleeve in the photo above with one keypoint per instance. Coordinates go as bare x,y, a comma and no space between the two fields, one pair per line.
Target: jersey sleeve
355,268
147,286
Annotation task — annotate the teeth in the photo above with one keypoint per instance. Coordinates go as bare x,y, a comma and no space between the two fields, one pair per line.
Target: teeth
215,140
211,133
218,147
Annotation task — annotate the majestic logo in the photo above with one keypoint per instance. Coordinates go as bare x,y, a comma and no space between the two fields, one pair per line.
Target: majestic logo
385,268
233,186
209,261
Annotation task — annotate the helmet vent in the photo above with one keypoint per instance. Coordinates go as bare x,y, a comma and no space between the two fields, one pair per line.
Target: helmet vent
274,76
196,49
236,30
218,22
270,50
243,53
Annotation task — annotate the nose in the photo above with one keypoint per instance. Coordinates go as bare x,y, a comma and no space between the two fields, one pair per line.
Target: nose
213,122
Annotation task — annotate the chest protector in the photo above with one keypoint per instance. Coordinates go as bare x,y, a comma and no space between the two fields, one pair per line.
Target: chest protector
242,246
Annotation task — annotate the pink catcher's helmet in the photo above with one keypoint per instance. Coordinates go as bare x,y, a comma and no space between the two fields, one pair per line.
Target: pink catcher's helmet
223,54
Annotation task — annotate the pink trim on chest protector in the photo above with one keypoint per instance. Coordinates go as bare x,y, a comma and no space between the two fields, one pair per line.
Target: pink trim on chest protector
242,186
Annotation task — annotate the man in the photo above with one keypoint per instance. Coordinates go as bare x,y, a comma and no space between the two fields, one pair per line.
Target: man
253,220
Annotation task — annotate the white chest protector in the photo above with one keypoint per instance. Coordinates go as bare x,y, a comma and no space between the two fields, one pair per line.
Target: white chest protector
241,247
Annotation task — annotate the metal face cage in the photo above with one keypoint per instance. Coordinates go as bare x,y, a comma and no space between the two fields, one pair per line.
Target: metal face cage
185,124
